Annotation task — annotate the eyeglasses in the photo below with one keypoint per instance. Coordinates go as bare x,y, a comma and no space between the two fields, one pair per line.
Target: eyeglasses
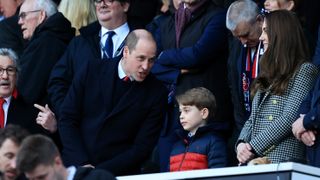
10,71
107,2
23,15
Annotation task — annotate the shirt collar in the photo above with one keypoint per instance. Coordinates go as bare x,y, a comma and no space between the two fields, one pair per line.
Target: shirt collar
119,31
71,172
121,73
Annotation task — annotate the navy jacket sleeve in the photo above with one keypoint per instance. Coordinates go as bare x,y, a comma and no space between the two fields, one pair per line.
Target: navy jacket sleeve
316,57
69,125
190,57
311,108
61,78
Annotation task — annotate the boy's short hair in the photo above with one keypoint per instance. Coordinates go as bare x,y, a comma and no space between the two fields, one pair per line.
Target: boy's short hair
36,150
199,97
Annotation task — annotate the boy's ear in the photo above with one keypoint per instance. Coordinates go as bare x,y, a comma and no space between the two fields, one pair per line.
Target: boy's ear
205,113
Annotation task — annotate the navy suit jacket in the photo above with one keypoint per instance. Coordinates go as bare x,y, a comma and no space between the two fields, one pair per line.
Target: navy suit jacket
117,138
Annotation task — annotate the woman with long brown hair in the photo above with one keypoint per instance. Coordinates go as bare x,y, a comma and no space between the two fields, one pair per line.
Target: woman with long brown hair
285,78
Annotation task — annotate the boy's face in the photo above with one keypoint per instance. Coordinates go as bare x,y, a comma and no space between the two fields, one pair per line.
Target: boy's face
191,118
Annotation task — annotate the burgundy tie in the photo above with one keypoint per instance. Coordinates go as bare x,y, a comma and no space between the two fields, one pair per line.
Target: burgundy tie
2,113
126,79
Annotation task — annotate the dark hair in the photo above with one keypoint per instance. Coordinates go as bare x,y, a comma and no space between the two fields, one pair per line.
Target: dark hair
14,133
199,97
287,50
35,150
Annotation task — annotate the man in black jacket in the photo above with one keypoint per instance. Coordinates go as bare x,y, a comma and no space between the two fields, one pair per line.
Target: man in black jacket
48,33
39,158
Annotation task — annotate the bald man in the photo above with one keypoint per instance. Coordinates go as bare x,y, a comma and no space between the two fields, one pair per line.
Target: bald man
112,114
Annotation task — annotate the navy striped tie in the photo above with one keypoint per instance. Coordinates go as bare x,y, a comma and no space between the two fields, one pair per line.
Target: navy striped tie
108,46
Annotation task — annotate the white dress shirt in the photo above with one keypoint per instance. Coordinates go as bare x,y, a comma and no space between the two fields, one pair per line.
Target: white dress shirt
118,38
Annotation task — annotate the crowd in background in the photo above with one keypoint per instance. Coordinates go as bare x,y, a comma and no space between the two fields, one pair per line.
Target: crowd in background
121,87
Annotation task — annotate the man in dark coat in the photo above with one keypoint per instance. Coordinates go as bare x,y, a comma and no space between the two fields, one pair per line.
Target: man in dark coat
245,22
39,158
48,33
10,31
89,46
113,112
307,127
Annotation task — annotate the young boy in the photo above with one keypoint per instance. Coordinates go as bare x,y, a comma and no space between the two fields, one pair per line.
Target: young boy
202,146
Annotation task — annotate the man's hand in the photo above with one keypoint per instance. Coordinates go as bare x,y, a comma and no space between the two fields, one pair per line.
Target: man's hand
308,137
46,118
244,153
297,127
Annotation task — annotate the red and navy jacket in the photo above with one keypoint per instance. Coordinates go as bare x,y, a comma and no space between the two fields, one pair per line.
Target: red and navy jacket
206,149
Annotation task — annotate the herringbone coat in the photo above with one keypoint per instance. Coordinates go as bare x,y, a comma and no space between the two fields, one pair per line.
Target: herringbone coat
268,129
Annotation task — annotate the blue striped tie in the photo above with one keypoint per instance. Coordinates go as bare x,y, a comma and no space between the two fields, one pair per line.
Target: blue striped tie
108,46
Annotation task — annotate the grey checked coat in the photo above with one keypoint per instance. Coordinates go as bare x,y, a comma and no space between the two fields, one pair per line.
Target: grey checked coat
268,129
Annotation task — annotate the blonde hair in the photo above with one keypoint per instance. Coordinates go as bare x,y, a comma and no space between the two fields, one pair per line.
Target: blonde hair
79,13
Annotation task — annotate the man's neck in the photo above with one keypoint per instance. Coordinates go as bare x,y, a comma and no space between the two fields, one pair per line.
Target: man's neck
64,173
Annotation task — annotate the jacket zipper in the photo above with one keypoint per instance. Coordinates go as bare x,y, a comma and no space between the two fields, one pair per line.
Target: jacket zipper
184,155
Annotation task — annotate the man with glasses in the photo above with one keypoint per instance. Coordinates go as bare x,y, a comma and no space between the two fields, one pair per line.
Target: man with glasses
48,33
13,109
102,40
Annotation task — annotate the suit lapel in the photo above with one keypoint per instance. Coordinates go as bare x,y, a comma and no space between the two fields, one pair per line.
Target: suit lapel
106,84
96,49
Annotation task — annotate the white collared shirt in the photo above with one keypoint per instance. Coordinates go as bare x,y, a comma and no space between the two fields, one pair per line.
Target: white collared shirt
121,33
5,107
71,172
121,73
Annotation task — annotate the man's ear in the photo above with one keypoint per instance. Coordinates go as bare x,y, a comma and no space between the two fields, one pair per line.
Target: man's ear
290,5
125,51
42,17
126,6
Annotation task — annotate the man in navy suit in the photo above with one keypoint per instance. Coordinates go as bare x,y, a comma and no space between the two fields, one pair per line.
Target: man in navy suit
88,46
307,126
113,112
